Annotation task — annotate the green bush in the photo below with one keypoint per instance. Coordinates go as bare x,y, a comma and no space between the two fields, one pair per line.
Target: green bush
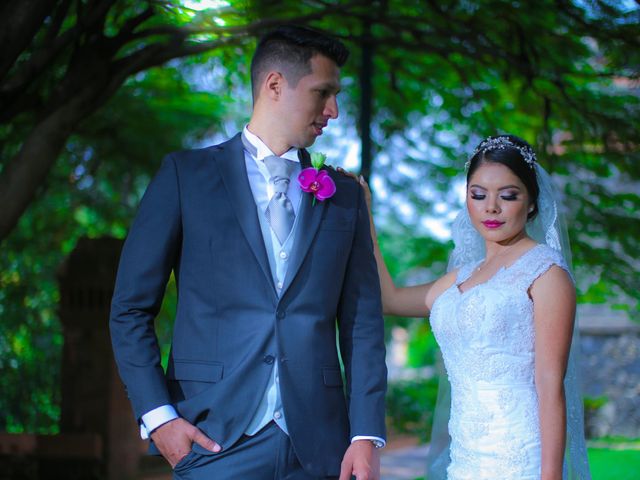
410,406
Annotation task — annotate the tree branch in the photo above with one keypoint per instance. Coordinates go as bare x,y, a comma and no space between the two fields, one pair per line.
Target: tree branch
14,95
19,22
57,20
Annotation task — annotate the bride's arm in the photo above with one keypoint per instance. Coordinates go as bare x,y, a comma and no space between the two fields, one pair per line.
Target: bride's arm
554,305
412,301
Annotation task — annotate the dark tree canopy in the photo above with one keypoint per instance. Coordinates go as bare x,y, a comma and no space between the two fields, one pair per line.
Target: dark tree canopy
94,93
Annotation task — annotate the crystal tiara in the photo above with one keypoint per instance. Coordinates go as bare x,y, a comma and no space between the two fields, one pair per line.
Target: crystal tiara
500,143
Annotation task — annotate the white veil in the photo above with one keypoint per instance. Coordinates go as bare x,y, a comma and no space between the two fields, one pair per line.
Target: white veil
547,228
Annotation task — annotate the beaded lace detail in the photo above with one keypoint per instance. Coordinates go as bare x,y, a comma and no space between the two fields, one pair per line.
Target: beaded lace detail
486,335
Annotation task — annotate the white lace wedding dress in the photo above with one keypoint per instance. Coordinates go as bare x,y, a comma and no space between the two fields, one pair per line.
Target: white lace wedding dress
486,335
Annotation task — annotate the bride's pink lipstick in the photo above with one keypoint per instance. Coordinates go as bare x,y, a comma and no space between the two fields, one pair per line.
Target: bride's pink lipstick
492,223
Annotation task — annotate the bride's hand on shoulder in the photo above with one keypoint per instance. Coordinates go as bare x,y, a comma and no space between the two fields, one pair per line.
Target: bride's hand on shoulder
360,179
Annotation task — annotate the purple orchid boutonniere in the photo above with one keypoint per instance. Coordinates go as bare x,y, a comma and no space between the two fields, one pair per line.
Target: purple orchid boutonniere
317,181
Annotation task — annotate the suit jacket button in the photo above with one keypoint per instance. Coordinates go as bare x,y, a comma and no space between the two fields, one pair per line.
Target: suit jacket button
268,359
280,314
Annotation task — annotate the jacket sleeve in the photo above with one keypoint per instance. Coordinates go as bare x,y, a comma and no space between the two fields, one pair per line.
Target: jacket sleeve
150,252
361,333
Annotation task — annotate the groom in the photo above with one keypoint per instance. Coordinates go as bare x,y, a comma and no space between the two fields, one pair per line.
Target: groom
265,276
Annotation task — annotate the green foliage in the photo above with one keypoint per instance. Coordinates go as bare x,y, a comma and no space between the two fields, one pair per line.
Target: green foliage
563,75
592,404
423,348
93,191
164,322
410,406
450,73
591,407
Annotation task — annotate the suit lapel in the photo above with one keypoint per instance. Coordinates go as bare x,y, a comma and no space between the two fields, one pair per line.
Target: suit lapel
233,171
308,223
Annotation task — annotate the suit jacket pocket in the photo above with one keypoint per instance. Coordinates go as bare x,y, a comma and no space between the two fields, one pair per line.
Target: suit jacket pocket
332,376
194,371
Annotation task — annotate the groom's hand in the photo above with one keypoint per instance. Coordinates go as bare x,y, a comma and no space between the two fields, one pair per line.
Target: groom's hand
362,460
174,440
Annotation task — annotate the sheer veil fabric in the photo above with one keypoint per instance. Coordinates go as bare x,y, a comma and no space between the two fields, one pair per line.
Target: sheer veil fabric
547,228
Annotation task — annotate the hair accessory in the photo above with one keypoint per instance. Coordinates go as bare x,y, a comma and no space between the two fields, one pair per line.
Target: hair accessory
500,143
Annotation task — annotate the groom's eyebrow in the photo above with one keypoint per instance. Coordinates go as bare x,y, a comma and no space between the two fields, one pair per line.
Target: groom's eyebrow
335,87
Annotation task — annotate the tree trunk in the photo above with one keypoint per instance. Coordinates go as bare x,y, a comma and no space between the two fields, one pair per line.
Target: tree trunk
366,98
25,173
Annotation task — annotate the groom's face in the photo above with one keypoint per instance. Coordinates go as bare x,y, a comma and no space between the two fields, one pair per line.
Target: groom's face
307,107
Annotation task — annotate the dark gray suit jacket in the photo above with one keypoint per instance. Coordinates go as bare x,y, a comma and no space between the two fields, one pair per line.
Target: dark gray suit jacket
198,218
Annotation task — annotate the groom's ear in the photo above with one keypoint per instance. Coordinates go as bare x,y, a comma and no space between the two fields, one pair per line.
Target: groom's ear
273,85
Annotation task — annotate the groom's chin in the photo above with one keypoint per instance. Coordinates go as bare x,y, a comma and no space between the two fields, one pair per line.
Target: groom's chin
308,140
305,143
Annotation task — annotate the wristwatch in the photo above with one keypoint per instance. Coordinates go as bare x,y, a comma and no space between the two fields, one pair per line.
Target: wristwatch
377,443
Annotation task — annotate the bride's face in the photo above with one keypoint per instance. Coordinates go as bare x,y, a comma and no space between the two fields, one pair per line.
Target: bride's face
498,202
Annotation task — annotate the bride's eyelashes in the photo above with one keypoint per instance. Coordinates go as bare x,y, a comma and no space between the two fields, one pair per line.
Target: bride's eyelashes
510,196
477,193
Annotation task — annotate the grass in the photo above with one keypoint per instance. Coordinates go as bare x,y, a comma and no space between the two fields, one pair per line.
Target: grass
614,464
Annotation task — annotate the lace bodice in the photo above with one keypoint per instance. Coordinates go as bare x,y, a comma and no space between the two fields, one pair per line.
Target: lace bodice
486,335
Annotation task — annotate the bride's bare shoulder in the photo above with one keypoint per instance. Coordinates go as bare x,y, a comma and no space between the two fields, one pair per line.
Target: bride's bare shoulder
440,286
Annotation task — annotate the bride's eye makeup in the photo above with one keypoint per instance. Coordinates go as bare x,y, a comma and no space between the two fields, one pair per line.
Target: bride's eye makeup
477,194
509,196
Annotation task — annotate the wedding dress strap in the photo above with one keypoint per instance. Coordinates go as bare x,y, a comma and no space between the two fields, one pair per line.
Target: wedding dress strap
535,264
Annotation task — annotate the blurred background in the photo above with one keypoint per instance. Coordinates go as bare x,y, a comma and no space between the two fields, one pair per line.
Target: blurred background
93,94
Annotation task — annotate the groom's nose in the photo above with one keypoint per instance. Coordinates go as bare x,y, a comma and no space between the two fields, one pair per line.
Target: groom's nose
331,107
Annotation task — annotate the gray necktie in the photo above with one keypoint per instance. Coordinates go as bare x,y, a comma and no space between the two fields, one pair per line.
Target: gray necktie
280,214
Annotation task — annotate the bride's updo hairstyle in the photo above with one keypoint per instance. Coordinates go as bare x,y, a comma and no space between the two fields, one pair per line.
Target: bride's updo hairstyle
514,153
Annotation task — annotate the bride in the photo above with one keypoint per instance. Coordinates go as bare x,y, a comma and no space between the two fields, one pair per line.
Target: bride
504,320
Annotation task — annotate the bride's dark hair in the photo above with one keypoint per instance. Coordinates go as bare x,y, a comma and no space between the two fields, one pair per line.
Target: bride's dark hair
515,154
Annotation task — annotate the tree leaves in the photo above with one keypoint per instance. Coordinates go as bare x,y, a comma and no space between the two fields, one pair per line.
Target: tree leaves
82,88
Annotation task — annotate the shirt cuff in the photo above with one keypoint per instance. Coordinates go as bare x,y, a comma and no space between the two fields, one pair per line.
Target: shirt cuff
377,441
155,418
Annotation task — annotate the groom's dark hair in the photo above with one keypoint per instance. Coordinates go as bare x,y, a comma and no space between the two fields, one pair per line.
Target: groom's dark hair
289,48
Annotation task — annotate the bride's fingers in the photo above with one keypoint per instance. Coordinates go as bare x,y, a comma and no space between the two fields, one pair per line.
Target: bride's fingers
363,183
348,174
358,178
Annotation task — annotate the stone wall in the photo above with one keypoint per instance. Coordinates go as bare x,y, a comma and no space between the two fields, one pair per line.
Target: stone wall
611,372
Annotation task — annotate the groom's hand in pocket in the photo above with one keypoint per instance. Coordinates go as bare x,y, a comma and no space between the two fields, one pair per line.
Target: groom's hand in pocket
174,440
